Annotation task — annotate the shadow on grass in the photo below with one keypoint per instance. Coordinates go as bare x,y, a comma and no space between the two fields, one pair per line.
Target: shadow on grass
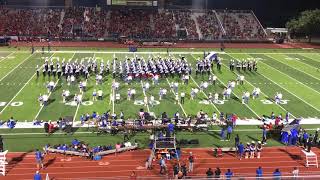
253,139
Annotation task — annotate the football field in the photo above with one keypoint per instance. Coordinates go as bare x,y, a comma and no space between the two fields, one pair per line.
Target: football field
295,74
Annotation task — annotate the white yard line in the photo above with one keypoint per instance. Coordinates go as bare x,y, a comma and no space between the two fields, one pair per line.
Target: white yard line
184,112
25,84
78,106
290,77
261,91
232,92
35,118
290,92
7,56
292,67
113,99
174,52
204,94
144,94
303,54
16,67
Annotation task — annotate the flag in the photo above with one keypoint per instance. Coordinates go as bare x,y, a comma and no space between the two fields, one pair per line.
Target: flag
212,56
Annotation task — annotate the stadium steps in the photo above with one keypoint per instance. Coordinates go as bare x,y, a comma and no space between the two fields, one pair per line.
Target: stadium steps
194,18
152,22
220,23
257,20
62,14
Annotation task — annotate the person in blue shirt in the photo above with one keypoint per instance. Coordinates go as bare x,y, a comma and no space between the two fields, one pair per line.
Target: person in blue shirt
228,174
75,142
259,172
277,174
39,158
222,135
94,115
37,176
229,131
240,150
171,128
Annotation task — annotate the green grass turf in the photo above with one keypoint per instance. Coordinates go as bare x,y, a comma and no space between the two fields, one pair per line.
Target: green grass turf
293,72
29,142
295,75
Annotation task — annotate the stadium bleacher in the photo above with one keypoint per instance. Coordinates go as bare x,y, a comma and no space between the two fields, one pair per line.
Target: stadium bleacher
137,24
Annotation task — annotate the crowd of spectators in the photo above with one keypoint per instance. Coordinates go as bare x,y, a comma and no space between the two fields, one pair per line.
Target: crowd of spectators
130,23
241,25
95,22
134,23
164,25
209,26
30,22
184,20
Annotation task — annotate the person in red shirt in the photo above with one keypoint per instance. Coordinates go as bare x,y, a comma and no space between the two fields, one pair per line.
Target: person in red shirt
234,120
277,121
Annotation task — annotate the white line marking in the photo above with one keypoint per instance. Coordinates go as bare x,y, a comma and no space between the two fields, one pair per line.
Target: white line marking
290,92
25,84
144,93
16,67
7,57
262,91
78,106
290,77
178,101
293,67
35,118
232,92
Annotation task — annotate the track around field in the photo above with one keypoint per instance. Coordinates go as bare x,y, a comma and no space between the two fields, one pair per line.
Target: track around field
22,165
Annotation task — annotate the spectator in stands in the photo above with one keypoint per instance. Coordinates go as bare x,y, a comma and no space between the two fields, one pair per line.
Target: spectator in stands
228,174
191,162
277,174
217,173
259,172
37,176
209,173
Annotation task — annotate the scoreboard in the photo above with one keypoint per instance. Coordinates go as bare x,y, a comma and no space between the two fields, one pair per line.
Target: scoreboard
133,2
